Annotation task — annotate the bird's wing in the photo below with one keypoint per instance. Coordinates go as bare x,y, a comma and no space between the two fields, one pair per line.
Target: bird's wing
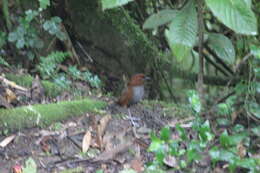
126,96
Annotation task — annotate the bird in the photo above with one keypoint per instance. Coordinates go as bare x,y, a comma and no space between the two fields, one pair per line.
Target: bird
134,92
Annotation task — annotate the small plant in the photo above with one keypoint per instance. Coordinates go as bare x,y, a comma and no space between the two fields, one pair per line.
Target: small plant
166,148
92,79
48,65
74,72
26,34
3,62
62,80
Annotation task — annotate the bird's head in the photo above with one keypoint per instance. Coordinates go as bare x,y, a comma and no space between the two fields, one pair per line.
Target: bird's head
138,80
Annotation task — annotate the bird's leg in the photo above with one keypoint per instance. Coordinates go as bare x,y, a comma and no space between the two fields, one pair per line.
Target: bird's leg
131,118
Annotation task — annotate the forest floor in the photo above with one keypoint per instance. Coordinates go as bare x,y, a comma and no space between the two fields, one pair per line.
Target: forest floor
107,140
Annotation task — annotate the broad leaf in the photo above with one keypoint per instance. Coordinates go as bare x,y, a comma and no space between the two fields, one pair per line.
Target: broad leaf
223,47
160,18
165,133
236,14
106,4
183,30
44,3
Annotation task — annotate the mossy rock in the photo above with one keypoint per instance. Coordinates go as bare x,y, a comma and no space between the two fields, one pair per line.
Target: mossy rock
45,114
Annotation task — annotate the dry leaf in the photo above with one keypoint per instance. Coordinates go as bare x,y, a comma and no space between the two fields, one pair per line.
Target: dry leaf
137,165
4,103
86,141
111,154
17,168
7,140
103,123
241,150
9,95
170,161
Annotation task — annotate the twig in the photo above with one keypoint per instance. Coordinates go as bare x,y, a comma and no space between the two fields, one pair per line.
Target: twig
84,51
12,84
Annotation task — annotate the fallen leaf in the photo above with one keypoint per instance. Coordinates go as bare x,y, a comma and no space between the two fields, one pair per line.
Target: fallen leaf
4,103
103,123
17,168
170,161
7,140
137,165
86,141
111,154
241,150
9,95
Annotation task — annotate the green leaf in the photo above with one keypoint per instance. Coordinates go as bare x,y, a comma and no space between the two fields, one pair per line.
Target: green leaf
220,154
3,62
223,121
248,163
223,47
192,155
182,132
205,133
30,15
183,31
107,4
30,166
256,131
2,38
255,50
254,108
194,100
12,37
235,14
238,128
160,18
165,133
20,43
156,144
44,3
232,140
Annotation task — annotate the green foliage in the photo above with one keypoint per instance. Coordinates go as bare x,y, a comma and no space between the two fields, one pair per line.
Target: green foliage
223,47
61,80
164,146
74,72
229,151
48,68
3,62
26,35
48,65
2,39
44,3
194,100
161,18
30,166
107,4
183,31
237,15
92,79
53,27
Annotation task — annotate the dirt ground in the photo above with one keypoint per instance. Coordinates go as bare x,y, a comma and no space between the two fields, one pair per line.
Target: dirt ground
114,141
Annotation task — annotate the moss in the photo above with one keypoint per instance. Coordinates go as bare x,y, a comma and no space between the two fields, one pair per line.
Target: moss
43,115
135,36
170,109
51,89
